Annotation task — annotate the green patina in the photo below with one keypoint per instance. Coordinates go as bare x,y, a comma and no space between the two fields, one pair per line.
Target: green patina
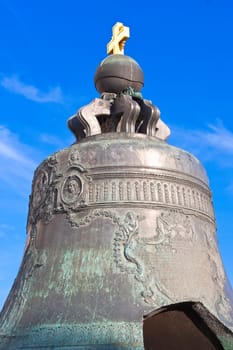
226,342
97,335
131,92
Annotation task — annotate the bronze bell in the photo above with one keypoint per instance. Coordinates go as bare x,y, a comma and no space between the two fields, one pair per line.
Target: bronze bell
121,250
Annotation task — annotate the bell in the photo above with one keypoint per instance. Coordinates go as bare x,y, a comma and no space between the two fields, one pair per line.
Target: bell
121,250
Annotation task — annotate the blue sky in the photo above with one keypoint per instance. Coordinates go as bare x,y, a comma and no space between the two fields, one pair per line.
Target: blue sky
49,51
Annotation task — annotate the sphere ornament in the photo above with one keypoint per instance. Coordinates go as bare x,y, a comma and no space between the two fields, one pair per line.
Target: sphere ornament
118,72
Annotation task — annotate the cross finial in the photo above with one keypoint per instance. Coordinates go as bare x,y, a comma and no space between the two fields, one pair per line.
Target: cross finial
120,34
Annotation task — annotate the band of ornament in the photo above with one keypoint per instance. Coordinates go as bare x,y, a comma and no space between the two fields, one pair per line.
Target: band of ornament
151,192
73,188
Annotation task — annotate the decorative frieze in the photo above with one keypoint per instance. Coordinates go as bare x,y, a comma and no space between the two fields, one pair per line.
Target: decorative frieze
150,191
73,188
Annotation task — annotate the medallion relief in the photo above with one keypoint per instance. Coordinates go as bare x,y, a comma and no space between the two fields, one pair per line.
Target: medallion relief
71,189
56,189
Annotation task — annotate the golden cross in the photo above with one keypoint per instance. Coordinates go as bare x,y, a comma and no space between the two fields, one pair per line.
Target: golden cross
120,34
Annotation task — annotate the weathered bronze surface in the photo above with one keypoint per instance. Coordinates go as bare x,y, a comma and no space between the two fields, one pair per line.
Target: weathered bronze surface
117,72
120,224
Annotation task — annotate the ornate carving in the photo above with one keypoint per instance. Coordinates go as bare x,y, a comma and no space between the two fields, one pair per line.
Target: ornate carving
113,191
43,194
137,191
106,191
121,191
71,189
97,192
173,195
129,191
55,192
127,251
145,191
179,195
150,191
126,236
127,247
223,304
41,181
74,159
166,194
160,193
87,219
91,198
184,197
173,224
